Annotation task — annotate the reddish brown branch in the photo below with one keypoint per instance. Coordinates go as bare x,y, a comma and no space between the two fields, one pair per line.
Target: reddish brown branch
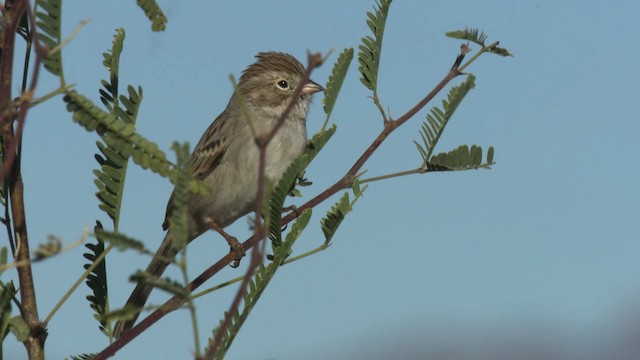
11,171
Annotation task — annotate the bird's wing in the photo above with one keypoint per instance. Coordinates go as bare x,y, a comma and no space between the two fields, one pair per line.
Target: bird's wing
208,152
205,158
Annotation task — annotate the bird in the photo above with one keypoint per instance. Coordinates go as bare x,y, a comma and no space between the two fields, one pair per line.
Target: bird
226,157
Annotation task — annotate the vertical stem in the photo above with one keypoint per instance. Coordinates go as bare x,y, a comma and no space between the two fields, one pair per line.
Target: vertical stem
29,311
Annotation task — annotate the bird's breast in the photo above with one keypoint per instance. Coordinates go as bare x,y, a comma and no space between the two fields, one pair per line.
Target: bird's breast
234,183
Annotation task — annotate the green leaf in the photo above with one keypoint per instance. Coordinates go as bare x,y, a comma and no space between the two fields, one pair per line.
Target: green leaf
118,134
470,34
490,155
48,23
332,89
153,13
97,280
284,187
460,158
330,223
437,119
334,217
369,52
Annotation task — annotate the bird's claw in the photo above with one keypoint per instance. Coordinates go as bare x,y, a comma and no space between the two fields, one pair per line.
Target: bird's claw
237,250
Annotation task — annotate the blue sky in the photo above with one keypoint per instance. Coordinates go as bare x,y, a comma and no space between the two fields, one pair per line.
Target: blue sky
538,254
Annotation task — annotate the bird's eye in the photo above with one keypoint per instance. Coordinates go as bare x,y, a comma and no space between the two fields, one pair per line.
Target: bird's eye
283,84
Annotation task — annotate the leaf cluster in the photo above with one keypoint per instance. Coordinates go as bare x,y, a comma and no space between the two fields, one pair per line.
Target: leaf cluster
437,118
461,158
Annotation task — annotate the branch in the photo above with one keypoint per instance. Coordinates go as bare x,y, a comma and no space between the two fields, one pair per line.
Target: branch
10,173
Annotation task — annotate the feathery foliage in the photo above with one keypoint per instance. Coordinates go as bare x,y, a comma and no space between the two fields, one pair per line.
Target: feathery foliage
334,217
111,62
117,133
437,119
48,22
332,89
478,37
461,158
473,35
153,13
113,161
109,177
369,51
122,137
283,188
259,282
97,281
330,223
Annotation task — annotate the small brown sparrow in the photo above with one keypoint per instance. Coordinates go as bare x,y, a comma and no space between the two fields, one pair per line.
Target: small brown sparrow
226,157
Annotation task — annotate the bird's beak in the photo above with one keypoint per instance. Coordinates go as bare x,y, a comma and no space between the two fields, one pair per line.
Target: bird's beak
311,87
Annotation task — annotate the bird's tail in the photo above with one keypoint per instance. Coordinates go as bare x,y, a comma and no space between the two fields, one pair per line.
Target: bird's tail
141,293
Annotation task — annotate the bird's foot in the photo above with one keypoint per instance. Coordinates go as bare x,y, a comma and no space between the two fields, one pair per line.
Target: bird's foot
236,249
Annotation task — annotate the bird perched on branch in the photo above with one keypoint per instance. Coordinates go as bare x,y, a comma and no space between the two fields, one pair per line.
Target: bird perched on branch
226,157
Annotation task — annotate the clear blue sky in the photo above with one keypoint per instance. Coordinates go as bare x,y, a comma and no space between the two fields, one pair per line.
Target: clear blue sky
538,255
